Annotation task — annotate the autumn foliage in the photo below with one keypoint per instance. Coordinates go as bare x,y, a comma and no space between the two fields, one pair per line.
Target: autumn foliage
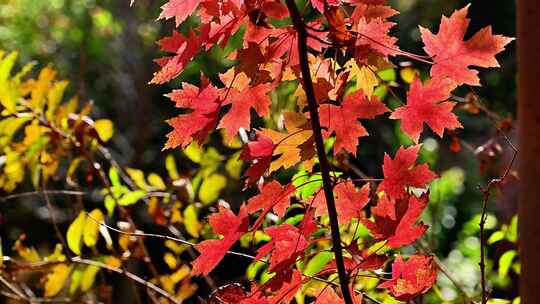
299,101
347,43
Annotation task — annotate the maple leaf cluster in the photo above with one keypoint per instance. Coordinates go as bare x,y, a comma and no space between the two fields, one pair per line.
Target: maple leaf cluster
268,58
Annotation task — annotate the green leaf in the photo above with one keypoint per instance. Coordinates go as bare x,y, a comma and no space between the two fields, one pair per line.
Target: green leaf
505,262
512,233
387,74
88,277
318,262
75,280
114,177
194,152
253,269
495,237
211,188
110,204
75,233
131,198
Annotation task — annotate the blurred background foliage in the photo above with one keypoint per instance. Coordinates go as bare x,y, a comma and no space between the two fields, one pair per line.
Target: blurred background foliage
105,48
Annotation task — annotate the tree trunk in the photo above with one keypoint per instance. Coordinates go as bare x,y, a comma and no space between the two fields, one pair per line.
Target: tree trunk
528,23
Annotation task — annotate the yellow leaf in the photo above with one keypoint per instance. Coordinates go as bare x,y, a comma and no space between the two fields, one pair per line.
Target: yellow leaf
180,274
8,90
56,279
234,166
156,181
211,188
29,254
186,291
408,74
104,129
91,227
41,88
170,260
167,283
88,277
6,65
170,164
113,261
138,177
54,97
191,221
75,233
177,248
366,79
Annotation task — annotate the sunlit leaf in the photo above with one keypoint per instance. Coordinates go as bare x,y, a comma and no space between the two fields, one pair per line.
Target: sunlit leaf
505,262
75,233
91,227
211,188
191,221
104,129
88,277
56,279
131,198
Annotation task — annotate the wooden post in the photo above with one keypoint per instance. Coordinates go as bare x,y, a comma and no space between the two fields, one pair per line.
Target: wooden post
528,43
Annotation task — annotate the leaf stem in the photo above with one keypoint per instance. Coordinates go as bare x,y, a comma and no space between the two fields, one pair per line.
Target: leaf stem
300,27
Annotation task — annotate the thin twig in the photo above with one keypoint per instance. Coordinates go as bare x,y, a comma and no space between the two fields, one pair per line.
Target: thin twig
78,260
41,193
52,216
483,218
160,236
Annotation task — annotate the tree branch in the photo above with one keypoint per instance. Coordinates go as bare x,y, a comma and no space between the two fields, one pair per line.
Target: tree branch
300,27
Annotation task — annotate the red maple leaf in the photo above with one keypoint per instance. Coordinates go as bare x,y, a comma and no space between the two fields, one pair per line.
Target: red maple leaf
343,119
260,152
401,172
411,278
373,38
395,221
286,245
329,295
204,103
368,2
453,56
184,47
287,43
243,98
349,201
319,4
308,225
178,9
427,104
369,12
273,196
285,285
232,227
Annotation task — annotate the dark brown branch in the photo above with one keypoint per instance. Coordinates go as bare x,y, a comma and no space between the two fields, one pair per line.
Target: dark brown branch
300,27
